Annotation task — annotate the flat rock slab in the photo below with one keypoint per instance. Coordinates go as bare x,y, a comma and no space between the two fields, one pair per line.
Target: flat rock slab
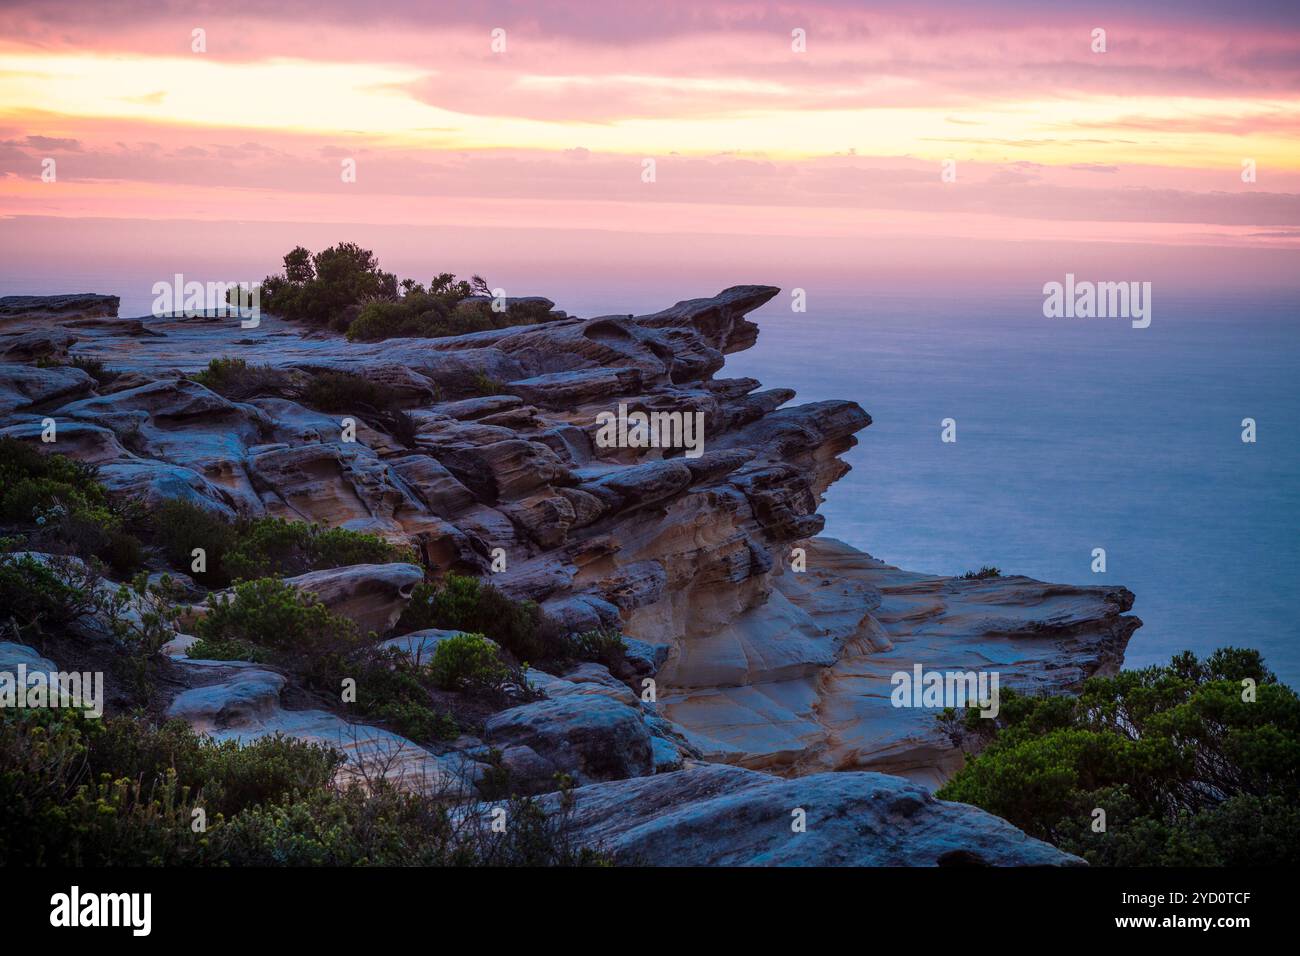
713,815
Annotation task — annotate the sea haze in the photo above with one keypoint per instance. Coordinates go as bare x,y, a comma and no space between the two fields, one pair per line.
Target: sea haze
1072,434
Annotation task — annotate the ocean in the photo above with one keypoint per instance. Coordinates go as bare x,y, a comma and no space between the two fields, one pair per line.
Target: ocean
1072,435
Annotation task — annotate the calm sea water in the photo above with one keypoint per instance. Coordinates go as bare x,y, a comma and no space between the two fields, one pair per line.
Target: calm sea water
1071,435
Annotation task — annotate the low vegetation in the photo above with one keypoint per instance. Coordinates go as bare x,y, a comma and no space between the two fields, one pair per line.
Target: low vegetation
269,620
38,596
988,571
238,380
344,288
1190,764
262,619
463,603
326,390
468,604
468,662
123,792
261,547
61,507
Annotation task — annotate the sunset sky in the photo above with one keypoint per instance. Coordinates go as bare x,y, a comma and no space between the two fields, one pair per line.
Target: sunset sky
836,148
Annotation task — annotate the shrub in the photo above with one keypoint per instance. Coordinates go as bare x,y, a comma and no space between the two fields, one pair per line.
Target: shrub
261,547
226,649
982,574
269,613
343,288
94,368
468,662
485,384
238,381
1189,770
82,792
36,596
464,603
232,777
122,792
603,646
392,689
65,505
334,391
320,288
294,629
180,526
271,546
32,482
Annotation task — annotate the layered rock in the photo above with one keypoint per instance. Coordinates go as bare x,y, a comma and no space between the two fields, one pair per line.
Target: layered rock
755,663
803,683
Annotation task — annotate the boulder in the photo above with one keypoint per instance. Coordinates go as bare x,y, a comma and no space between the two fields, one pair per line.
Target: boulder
588,736
22,386
715,815
372,595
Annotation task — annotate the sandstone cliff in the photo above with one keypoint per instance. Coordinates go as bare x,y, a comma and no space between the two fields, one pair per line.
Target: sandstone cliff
756,663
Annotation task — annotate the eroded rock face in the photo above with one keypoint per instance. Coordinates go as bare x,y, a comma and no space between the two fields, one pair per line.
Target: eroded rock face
803,682
373,596
714,815
754,665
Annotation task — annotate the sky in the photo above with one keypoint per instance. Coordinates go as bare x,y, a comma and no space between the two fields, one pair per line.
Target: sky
915,145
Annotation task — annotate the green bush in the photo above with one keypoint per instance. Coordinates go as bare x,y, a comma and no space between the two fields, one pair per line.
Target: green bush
269,613
232,777
180,526
982,574
94,368
269,546
282,625
321,288
334,391
468,662
603,646
64,506
36,597
261,547
343,288
238,381
463,603
485,384
122,792
393,690
32,484
1187,771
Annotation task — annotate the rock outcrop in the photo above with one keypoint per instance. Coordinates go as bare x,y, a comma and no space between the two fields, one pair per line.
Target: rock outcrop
726,816
753,661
